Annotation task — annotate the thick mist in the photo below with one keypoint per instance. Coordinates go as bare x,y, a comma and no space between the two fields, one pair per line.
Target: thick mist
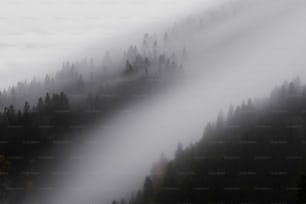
37,36
245,56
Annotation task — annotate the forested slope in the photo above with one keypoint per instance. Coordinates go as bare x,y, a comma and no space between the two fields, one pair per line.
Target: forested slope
255,154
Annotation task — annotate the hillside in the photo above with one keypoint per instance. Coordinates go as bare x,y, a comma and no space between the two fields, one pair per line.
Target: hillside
38,116
253,155
90,131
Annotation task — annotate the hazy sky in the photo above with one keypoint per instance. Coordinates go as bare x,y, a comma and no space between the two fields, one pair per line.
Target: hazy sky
37,35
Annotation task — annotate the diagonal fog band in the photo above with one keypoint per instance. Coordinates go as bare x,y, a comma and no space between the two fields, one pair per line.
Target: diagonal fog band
169,85
243,57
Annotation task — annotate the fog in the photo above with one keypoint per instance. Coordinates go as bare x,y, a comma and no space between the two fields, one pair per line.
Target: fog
243,57
38,35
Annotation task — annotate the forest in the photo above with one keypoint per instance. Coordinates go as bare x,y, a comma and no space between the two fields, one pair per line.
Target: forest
253,154
39,115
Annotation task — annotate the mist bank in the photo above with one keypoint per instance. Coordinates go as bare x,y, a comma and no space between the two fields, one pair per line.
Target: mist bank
36,43
250,67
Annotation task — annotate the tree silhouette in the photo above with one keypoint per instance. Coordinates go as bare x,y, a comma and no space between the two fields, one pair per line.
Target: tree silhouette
257,149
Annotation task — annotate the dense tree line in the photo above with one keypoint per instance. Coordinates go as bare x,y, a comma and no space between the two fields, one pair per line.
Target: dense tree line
153,55
32,130
25,133
254,154
36,113
79,79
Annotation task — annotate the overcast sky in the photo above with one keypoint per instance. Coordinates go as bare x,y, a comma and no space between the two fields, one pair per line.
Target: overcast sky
37,35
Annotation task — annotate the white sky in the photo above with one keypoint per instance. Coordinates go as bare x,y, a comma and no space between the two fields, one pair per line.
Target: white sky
37,35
